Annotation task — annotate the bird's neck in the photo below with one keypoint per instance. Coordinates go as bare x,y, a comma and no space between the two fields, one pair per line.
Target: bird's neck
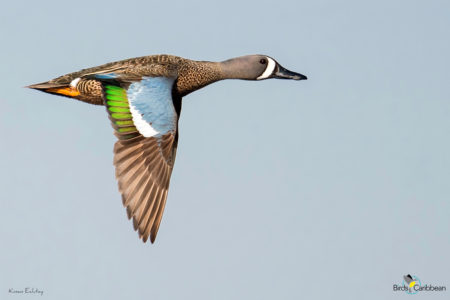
194,75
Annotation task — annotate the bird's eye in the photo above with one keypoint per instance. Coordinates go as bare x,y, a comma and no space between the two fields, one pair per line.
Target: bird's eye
263,61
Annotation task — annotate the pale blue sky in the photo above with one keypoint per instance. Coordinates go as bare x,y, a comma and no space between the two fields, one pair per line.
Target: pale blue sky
330,188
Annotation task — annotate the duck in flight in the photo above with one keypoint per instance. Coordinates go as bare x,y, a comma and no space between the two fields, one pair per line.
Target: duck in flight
143,99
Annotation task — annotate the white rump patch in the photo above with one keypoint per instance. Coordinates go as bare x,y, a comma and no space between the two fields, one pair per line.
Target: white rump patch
74,82
269,70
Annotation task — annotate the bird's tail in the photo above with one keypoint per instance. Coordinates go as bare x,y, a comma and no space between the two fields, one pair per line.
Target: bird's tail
56,88
71,90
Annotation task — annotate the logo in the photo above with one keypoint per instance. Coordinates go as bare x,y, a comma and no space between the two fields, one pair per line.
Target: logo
27,290
412,285
411,282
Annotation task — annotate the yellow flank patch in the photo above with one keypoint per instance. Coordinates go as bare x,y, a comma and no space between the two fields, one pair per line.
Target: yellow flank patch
68,91
413,283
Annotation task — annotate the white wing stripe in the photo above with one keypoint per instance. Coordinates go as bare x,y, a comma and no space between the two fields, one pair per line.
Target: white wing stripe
142,126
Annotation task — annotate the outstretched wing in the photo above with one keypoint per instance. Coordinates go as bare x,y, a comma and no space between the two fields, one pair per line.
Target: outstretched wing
145,121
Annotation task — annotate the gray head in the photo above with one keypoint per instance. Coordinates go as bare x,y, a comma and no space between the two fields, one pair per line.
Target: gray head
257,67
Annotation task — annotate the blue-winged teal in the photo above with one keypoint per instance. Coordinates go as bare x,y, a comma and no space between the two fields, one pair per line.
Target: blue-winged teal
143,99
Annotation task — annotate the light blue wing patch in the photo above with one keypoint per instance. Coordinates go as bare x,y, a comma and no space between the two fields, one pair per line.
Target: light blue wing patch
106,76
151,106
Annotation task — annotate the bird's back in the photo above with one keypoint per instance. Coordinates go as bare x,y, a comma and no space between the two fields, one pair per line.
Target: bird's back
78,85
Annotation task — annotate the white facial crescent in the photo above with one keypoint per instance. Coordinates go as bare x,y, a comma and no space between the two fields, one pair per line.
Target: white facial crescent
269,70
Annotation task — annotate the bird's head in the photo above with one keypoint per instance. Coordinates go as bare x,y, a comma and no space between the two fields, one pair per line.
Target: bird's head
257,67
